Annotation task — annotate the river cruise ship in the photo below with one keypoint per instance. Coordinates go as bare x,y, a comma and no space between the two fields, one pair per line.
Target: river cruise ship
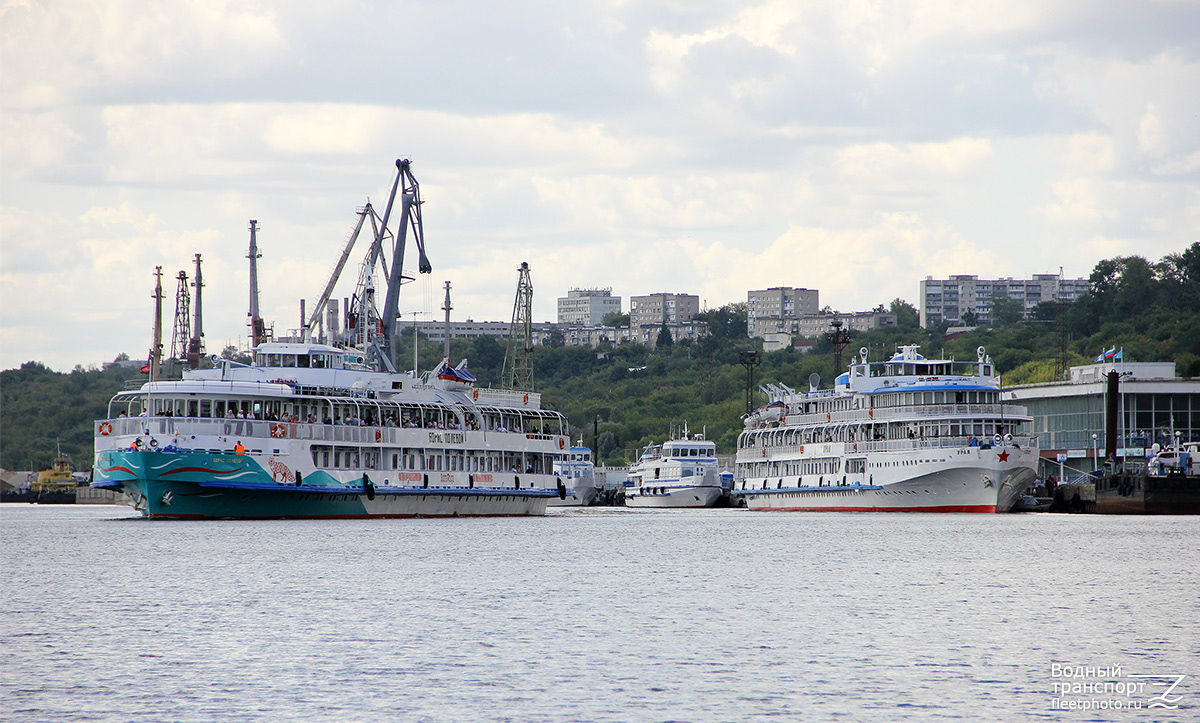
310,430
317,428
906,434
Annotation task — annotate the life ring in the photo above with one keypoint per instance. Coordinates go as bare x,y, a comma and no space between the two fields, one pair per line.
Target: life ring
278,431
828,416
475,393
562,442
764,451
871,413
856,446
378,435
105,429
527,397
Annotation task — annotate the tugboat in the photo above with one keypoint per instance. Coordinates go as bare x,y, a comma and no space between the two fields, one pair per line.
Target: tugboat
53,486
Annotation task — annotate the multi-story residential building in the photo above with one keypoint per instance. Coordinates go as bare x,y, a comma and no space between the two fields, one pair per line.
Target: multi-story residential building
662,308
950,299
771,311
688,330
814,325
587,307
573,335
594,336
650,313
436,330
778,334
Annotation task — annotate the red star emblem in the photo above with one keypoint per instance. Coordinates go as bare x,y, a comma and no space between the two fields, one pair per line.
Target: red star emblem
1003,456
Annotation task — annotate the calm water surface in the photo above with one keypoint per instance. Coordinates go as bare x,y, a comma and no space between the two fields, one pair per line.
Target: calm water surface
598,614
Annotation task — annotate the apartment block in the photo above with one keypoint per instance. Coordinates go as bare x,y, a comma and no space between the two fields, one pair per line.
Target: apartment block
949,299
587,307
772,311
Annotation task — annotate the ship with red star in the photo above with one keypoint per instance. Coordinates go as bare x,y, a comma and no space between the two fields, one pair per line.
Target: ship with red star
907,434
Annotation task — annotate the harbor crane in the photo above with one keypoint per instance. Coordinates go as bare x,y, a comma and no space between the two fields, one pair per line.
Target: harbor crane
374,331
518,359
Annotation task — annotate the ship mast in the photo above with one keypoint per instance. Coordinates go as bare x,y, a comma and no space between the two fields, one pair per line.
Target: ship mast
258,332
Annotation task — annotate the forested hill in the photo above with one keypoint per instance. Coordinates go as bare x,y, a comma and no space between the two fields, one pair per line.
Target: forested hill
633,395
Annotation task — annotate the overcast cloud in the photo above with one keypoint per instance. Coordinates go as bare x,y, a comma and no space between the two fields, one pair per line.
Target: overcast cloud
700,147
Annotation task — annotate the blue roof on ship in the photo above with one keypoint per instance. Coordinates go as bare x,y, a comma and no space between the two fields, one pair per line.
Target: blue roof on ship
925,387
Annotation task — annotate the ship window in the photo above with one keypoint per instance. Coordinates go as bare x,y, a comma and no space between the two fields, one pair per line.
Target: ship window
289,360
302,360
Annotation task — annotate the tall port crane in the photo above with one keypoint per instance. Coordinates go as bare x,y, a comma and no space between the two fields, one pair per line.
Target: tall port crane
179,333
518,358
373,331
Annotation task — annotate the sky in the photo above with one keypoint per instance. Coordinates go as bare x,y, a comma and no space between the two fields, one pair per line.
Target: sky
691,147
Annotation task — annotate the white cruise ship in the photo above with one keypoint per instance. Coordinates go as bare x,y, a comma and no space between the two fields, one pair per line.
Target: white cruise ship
682,472
906,434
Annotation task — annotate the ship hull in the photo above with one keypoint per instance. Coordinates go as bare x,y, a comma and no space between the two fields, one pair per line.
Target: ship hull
580,496
970,489
205,486
672,496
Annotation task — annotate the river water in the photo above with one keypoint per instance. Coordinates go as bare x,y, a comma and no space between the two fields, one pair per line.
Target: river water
598,614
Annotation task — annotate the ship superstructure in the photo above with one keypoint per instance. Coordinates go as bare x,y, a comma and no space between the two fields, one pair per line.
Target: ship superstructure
904,434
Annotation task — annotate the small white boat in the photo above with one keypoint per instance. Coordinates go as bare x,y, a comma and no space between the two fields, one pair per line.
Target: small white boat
681,472
576,474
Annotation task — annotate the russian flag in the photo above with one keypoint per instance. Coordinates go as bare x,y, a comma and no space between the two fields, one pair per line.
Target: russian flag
1107,355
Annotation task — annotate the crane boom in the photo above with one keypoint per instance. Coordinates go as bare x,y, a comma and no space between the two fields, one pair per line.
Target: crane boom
319,307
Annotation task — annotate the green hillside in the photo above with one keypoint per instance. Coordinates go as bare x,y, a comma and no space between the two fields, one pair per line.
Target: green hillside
633,395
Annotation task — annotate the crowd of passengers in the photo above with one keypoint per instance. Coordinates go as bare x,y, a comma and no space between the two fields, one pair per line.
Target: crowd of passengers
390,419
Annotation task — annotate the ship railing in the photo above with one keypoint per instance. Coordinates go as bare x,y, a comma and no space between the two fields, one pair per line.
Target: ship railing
919,411
179,430
850,447
508,398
